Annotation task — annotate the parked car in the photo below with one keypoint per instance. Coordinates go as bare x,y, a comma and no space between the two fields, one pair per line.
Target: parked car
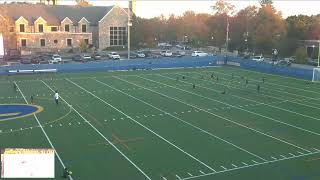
312,62
77,57
140,54
56,58
86,57
166,53
178,54
258,58
198,54
35,60
133,55
96,56
44,58
283,63
114,55
25,60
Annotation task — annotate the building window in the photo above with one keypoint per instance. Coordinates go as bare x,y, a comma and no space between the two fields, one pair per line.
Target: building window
86,41
55,41
22,29
84,28
67,28
23,43
54,29
69,42
118,36
40,27
42,42
11,29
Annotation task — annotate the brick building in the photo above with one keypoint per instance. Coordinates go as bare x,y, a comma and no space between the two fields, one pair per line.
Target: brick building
39,27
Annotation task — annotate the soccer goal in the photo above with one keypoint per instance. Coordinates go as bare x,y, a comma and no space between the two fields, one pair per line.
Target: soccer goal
316,74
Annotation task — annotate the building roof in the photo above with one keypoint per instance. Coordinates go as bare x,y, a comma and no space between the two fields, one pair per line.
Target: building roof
54,14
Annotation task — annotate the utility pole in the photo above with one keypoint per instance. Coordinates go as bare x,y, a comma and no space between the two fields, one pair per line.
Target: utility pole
129,24
227,36
319,54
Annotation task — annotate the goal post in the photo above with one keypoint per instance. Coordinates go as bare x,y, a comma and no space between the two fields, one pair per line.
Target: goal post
316,74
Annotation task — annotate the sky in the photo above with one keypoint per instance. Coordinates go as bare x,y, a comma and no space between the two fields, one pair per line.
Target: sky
152,8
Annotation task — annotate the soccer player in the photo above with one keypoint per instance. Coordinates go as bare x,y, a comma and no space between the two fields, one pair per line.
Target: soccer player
247,81
183,77
217,78
193,86
31,99
263,80
212,76
56,97
15,87
66,173
258,88
224,91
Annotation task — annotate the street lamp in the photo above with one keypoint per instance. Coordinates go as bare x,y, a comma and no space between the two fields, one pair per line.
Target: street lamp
313,46
319,54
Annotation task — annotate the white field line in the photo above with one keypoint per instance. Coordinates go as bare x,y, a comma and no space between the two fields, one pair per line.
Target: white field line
44,132
249,166
269,91
190,124
281,91
129,117
95,129
221,117
285,77
274,97
267,117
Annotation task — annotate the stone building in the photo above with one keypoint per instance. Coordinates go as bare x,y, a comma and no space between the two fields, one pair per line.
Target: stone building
39,27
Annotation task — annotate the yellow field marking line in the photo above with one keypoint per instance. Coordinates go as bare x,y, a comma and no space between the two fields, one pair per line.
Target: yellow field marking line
9,114
314,159
91,116
123,143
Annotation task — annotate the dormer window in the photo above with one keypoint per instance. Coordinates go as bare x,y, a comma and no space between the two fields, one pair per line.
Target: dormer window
22,28
67,28
84,28
40,27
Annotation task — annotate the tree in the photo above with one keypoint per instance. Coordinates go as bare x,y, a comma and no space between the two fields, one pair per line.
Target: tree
83,3
241,28
265,2
301,55
84,47
269,29
222,7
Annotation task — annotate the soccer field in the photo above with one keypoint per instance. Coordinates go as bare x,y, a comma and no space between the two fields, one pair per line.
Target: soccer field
139,125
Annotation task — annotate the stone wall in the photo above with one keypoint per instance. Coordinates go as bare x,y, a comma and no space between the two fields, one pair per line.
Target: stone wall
117,17
33,40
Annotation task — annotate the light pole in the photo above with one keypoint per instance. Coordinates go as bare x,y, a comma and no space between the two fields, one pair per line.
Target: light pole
129,24
313,46
227,36
319,54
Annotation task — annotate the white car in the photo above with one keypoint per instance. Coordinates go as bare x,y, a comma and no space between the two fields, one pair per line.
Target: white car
114,55
166,53
140,54
56,58
198,54
86,57
258,58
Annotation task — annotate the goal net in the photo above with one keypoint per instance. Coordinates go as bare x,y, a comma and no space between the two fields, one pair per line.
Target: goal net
316,75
